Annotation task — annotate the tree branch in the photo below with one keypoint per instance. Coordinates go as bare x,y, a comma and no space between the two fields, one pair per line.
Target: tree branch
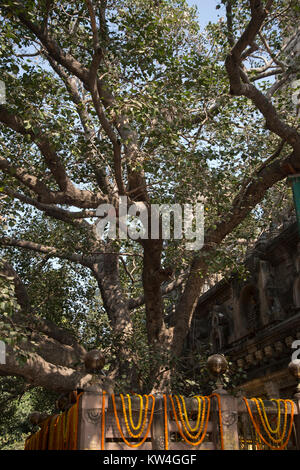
79,198
41,373
238,88
56,212
89,131
48,250
31,181
57,169
136,179
179,281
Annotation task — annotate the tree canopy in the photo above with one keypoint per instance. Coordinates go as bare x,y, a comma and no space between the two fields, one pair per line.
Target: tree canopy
132,98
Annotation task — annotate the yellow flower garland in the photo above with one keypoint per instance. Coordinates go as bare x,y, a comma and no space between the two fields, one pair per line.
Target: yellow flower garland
138,444
135,436
182,421
281,444
200,414
280,439
130,411
276,430
103,421
166,423
185,412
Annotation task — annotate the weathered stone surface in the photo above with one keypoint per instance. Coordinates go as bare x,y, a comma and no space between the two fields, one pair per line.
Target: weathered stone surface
262,312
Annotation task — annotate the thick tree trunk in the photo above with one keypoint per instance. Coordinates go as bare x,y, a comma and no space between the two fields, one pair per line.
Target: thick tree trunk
187,304
152,279
114,300
158,334
117,308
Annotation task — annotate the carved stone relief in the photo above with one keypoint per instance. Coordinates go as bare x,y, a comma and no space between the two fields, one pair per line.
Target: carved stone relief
92,415
220,328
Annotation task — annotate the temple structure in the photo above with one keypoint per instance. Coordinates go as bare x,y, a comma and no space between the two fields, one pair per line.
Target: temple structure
255,322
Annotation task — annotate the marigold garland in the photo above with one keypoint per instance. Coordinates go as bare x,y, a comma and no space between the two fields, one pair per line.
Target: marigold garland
276,430
265,422
166,423
73,427
52,432
45,434
26,443
138,444
135,436
103,421
63,431
186,416
181,418
130,411
200,414
69,428
76,421
58,432
278,441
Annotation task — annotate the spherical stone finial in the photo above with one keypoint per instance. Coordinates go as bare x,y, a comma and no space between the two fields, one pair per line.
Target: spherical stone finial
34,418
217,364
94,361
294,368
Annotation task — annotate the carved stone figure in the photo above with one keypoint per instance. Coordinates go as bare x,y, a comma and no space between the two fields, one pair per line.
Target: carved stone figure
275,309
272,308
252,312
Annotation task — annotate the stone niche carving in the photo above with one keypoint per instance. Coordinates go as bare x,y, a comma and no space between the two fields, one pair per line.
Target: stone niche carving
270,308
296,293
220,328
249,309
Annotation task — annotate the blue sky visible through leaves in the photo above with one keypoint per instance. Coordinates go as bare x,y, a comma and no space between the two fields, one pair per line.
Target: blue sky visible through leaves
206,10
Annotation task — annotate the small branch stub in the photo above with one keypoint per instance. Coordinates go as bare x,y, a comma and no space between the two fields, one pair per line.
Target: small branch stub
94,362
62,402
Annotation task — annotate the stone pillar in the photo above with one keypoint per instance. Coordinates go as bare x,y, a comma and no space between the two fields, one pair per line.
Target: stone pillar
218,365
158,425
90,419
229,415
91,403
294,369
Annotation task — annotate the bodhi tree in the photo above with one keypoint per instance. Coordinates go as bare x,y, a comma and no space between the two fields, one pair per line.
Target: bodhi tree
108,99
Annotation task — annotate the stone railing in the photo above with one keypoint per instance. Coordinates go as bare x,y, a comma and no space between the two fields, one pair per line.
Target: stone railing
95,419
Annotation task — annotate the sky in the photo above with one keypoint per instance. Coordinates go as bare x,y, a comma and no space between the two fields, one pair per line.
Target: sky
206,10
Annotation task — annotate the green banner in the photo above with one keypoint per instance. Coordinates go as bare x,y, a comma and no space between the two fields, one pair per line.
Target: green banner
295,180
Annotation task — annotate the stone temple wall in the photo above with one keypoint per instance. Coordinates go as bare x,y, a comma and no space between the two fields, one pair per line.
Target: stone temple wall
255,321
